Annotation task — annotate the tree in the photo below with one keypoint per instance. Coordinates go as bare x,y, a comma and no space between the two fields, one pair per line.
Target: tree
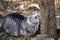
48,21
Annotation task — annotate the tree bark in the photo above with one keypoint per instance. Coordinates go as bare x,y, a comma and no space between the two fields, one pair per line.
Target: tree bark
48,21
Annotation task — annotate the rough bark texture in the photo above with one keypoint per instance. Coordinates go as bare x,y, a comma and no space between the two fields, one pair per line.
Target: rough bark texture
48,25
44,15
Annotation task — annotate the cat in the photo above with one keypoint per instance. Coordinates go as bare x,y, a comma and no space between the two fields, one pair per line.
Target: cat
16,24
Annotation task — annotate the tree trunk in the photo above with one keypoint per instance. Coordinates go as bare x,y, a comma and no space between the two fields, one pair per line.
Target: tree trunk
48,21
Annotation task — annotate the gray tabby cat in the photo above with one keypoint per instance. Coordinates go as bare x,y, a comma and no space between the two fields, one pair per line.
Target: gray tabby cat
16,24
